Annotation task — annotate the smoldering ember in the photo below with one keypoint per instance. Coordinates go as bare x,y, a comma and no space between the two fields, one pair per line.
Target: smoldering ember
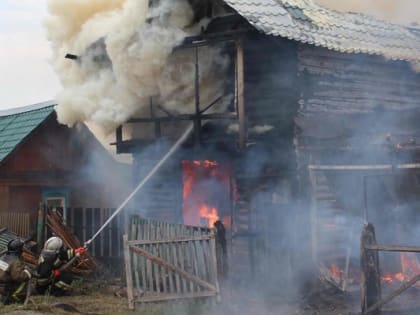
273,164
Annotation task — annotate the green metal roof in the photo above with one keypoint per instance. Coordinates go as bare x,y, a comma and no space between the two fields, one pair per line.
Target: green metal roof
17,124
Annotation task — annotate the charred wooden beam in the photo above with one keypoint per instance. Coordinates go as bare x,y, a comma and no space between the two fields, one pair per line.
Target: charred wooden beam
197,119
363,167
394,248
240,77
228,116
370,284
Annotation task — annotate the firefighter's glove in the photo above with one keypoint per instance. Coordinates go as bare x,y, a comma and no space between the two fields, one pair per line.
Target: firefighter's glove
56,273
80,250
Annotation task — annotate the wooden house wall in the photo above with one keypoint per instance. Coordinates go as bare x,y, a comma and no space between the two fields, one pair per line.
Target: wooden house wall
354,109
55,156
354,101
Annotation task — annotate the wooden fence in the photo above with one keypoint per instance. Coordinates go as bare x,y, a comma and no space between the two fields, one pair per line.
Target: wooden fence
84,222
167,261
17,222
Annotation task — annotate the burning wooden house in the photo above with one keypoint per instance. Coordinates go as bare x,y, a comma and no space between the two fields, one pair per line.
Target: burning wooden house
312,132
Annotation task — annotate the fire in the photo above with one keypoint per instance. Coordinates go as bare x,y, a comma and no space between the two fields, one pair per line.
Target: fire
335,271
210,214
206,192
410,267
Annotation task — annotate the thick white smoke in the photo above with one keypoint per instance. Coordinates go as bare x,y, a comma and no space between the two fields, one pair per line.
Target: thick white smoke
125,52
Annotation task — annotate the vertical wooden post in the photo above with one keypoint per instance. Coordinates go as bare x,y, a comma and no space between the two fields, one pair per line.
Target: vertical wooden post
314,217
197,120
128,273
119,138
370,282
40,227
240,78
158,132
213,265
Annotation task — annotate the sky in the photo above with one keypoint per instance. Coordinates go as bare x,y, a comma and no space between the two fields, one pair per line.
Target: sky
28,78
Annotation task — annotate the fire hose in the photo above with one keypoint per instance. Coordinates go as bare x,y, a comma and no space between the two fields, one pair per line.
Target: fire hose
143,182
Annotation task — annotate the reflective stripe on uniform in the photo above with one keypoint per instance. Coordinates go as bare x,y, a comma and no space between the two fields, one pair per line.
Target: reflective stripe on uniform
43,281
62,285
17,295
4,265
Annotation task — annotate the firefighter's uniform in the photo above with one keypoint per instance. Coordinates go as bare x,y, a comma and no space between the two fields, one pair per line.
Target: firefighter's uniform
53,256
14,276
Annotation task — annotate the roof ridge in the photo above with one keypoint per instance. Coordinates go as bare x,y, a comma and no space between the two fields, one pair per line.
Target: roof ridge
28,108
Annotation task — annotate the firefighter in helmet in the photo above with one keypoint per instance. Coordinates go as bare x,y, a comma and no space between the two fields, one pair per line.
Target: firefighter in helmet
14,276
53,256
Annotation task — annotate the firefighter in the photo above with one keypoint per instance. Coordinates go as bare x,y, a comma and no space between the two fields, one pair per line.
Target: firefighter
54,256
14,276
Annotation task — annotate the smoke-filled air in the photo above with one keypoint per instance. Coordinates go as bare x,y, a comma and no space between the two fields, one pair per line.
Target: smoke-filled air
402,11
121,54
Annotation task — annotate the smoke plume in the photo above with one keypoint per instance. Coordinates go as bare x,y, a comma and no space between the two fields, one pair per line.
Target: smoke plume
124,52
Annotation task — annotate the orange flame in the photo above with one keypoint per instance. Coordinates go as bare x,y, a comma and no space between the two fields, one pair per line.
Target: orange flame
210,214
335,271
410,268
200,206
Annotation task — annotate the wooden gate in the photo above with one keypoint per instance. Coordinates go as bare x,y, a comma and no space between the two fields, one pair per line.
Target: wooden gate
166,261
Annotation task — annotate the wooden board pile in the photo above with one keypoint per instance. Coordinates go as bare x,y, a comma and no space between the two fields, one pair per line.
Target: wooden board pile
85,264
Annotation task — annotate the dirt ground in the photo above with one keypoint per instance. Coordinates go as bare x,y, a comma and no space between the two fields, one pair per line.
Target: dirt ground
92,299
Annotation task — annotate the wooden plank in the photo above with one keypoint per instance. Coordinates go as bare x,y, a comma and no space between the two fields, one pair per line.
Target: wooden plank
161,253
181,257
313,216
155,252
142,262
134,235
370,284
175,259
197,258
362,167
166,297
102,237
175,240
190,267
168,259
240,79
128,273
149,265
111,252
394,248
213,264
172,267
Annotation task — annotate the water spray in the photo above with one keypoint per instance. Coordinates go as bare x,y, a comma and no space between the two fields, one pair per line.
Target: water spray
144,181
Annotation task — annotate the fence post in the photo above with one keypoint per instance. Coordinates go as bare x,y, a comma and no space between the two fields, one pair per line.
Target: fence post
370,284
213,264
128,273
40,227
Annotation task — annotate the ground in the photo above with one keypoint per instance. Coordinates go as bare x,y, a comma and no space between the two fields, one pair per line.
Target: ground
99,298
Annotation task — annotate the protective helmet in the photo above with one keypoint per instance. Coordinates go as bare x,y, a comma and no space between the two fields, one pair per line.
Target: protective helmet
15,246
53,243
